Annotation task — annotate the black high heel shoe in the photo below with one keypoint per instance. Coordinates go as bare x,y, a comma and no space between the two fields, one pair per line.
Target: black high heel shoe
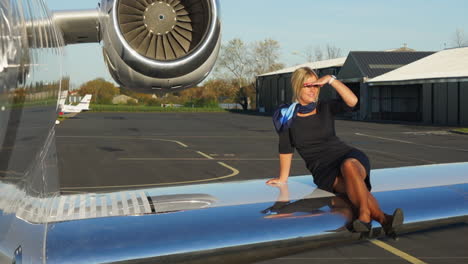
362,227
393,223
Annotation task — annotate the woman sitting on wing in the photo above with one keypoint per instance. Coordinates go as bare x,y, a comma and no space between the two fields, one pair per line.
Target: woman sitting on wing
309,126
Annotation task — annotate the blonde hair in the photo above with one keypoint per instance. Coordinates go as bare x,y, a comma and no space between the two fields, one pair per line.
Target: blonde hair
298,78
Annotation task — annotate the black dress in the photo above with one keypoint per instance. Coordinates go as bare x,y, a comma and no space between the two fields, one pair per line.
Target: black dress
315,139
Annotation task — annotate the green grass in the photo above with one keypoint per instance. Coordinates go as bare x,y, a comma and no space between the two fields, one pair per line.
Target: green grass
144,108
463,130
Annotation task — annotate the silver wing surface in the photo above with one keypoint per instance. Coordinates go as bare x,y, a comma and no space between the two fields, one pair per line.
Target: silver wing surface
229,222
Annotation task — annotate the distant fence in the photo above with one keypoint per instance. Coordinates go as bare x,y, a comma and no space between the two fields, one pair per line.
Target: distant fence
230,106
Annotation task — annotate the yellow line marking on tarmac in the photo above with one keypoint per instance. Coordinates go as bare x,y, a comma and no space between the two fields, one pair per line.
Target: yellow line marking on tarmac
236,136
412,143
234,173
163,159
369,258
205,155
397,252
198,159
180,143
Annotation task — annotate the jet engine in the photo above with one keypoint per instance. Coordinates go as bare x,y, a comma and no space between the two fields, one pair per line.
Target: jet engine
159,45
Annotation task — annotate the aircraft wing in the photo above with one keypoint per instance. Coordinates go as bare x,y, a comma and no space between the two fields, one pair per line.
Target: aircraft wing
232,222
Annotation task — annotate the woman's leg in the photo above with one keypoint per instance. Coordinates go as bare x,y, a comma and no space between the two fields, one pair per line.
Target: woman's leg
351,182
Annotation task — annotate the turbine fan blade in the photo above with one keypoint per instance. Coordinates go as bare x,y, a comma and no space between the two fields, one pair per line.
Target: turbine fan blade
152,47
136,42
184,19
182,12
161,37
131,35
145,44
160,49
168,52
175,45
124,18
174,2
186,26
127,27
185,33
134,4
129,10
181,40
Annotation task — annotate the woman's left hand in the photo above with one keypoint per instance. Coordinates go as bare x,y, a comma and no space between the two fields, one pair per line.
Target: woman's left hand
320,82
276,182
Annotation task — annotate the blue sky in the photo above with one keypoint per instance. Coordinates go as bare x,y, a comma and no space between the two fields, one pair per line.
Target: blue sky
425,25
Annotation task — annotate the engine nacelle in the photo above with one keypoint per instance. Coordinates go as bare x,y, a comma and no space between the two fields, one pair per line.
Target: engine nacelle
160,46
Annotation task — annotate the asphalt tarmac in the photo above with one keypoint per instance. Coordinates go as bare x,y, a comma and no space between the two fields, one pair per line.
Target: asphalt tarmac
101,152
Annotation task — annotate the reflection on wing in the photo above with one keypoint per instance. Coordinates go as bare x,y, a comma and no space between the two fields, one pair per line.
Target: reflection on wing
88,206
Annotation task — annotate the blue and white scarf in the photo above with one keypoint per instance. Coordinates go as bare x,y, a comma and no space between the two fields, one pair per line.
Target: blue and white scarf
285,114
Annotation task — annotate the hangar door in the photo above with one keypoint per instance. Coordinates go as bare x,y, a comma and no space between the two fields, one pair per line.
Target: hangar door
397,102
447,103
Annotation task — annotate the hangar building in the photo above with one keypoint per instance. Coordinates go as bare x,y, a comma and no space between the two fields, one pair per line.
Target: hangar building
360,66
433,90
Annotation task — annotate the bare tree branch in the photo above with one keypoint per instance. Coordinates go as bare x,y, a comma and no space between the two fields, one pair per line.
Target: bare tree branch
265,56
244,62
458,38
318,53
333,52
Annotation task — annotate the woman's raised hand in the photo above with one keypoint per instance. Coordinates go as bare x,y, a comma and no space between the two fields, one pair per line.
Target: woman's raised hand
320,82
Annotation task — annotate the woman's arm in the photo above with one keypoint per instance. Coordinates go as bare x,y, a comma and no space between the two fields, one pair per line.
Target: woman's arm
285,167
348,96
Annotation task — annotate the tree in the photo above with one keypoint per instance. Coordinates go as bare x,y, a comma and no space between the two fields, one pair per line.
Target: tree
265,56
318,53
458,38
210,94
219,89
243,63
312,53
308,53
103,91
333,52
235,58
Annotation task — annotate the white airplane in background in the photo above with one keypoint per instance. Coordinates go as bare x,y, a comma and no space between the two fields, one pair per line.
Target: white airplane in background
68,108
165,46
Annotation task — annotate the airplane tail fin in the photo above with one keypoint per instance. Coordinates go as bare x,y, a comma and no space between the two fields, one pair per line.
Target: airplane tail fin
84,103
62,98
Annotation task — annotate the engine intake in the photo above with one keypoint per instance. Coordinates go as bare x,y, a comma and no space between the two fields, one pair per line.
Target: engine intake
160,44
163,30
